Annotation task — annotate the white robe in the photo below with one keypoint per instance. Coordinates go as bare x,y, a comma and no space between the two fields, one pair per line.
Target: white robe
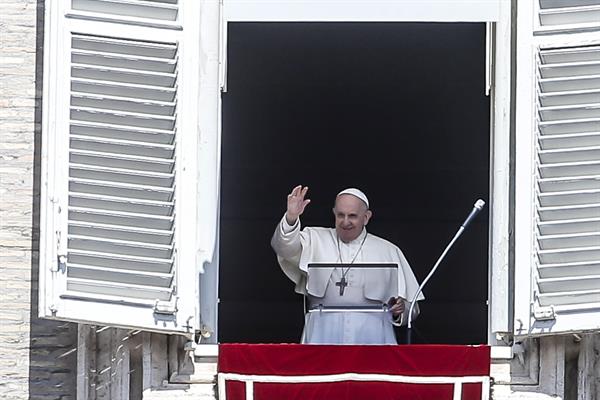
296,249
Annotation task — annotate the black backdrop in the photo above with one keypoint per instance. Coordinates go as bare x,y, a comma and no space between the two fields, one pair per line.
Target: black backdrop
396,109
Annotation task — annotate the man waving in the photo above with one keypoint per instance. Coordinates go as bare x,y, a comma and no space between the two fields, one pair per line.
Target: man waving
349,245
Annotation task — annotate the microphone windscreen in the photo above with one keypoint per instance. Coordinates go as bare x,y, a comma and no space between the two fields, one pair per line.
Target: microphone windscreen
479,204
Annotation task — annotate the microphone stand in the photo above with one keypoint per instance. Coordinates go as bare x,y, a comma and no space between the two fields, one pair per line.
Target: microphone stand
476,209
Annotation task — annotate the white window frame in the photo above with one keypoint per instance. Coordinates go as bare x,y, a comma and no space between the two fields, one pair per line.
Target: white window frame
500,312
498,14
363,11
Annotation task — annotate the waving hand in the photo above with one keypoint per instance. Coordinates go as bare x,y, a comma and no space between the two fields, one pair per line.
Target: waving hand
296,203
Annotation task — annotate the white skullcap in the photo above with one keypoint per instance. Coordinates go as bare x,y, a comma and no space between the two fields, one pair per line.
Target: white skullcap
356,193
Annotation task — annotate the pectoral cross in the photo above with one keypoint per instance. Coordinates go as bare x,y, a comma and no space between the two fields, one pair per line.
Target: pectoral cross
342,284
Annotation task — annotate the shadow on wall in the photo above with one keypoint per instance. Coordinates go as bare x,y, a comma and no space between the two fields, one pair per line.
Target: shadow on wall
52,344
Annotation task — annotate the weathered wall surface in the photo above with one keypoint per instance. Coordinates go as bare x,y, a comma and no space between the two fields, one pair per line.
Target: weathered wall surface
37,357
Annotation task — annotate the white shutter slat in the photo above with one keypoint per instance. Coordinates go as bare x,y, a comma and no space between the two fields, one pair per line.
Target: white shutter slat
85,100
555,227
126,47
570,126
161,10
123,276
124,262
568,55
566,112
559,270
123,118
571,14
135,220
561,155
133,148
581,197
103,202
570,284
123,247
569,183
123,89
578,254
108,174
121,161
570,169
565,69
123,75
566,241
572,298
118,189
116,291
586,139
122,132
569,212
122,58
568,174
570,83
566,3
569,97
118,61
106,231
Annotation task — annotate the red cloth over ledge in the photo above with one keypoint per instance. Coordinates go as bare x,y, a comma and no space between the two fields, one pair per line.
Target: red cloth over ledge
297,359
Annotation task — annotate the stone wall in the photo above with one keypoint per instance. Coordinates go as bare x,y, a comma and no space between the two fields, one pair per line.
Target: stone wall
37,357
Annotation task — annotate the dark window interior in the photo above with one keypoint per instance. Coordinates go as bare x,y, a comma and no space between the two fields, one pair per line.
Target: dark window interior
396,109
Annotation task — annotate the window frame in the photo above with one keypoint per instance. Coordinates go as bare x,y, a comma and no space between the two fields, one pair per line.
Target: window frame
363,11
498,16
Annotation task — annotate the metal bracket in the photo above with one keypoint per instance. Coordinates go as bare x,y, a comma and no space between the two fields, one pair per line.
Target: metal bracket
205,331
165,307
541,313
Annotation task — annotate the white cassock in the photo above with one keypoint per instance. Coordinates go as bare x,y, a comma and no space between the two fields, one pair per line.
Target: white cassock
296,249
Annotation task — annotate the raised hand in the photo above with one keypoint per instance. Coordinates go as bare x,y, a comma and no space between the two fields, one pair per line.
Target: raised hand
296,203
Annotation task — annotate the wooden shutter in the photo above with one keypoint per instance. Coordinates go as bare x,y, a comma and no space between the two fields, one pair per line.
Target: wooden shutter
558,284
118,235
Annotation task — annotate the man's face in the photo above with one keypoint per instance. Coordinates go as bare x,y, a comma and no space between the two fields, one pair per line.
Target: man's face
351,215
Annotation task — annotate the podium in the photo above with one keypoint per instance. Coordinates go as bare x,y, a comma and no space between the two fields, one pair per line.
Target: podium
352,372
347,303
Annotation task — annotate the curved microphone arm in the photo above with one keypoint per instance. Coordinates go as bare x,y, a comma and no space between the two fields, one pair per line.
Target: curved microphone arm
476,209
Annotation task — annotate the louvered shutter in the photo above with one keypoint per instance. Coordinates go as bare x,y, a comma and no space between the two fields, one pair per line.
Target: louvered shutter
119,219
564,292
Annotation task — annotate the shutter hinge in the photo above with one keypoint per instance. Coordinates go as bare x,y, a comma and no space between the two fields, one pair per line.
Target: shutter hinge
61,256
165,307
541,313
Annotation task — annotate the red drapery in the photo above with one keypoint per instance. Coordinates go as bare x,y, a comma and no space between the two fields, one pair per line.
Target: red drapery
296,359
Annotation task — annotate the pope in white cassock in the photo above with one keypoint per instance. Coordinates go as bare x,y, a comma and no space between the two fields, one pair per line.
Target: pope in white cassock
348,244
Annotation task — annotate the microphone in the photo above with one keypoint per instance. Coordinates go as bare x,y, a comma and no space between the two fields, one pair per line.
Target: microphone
477,207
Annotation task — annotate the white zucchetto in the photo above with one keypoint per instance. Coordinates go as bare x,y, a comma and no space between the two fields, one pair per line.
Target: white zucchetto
356,193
